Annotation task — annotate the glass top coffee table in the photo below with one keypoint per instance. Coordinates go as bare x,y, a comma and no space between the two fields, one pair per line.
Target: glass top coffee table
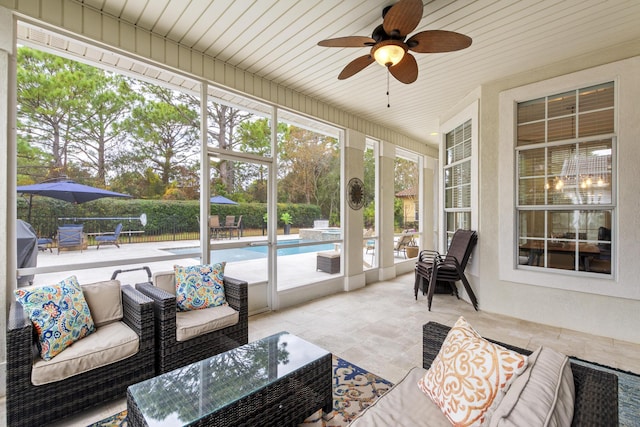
279,380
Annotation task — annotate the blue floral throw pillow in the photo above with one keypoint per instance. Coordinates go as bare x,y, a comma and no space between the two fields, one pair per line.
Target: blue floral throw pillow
199,286
59,314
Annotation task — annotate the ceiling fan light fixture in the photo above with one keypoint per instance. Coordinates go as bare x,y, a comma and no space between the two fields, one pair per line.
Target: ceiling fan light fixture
389,52
389,46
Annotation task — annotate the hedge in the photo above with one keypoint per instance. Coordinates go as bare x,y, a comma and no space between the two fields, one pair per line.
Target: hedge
162,215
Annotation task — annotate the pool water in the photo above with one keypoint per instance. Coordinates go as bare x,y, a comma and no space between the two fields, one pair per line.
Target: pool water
253,252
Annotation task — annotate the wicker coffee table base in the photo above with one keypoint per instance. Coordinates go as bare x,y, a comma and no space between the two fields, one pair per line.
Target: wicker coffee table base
285,402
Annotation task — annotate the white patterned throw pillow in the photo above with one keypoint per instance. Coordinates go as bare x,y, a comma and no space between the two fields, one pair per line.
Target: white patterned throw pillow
470,375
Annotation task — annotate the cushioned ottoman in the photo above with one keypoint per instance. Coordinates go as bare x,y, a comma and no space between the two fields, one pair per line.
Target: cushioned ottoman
329,262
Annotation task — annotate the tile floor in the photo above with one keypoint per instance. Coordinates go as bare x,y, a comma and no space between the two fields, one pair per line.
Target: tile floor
379,328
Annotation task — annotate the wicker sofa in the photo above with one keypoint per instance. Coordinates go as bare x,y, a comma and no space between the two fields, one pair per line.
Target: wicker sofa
172,351
35,405
595,404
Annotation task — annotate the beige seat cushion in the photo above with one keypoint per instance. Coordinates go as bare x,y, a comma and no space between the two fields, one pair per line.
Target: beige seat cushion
108,344
190,324
405,405
104,300
330,255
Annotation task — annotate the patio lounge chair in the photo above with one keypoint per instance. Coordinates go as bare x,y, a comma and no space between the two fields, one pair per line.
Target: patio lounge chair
70,237
73,383
406,239
173,348
110,239
369,244
432,267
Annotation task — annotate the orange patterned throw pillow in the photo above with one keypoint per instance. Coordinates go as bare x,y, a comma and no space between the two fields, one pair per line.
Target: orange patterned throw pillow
470,375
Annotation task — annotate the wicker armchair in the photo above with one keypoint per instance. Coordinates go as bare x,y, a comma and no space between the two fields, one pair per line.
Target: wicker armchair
29,405
596,401
171,353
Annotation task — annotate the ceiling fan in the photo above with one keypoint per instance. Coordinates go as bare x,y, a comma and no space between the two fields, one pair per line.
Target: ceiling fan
389,47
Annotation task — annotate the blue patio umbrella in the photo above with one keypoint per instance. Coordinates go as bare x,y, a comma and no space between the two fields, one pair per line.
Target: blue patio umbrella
221,200
67,190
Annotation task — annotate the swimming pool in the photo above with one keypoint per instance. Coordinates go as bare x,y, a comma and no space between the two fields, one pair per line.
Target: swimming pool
253,252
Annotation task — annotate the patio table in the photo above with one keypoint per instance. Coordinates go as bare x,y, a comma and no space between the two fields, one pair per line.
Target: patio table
279,380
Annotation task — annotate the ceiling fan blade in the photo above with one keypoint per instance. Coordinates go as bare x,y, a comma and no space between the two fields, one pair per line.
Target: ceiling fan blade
403,17
355,66
405,71
350,41
435,41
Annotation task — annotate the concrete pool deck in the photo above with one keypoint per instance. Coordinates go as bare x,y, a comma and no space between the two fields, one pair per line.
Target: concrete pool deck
90,264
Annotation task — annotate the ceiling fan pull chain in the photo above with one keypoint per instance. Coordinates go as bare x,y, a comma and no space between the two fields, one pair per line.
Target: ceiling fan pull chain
388,102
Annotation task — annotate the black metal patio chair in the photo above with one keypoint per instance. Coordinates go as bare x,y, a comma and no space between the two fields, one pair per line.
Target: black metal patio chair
432,267
236,226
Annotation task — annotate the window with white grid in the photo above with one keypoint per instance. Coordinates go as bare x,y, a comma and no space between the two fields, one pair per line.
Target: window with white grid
565,157
457,180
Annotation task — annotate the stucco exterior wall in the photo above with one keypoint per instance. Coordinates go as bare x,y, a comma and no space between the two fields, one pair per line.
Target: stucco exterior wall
561,300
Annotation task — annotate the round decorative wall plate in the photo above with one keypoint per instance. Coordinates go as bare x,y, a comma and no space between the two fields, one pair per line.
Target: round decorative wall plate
355,193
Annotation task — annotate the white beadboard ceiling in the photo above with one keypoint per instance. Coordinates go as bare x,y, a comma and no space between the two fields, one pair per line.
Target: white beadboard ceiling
277,40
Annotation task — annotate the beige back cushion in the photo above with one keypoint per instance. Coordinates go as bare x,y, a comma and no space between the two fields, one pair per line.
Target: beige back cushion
104,300
165,280
543,395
